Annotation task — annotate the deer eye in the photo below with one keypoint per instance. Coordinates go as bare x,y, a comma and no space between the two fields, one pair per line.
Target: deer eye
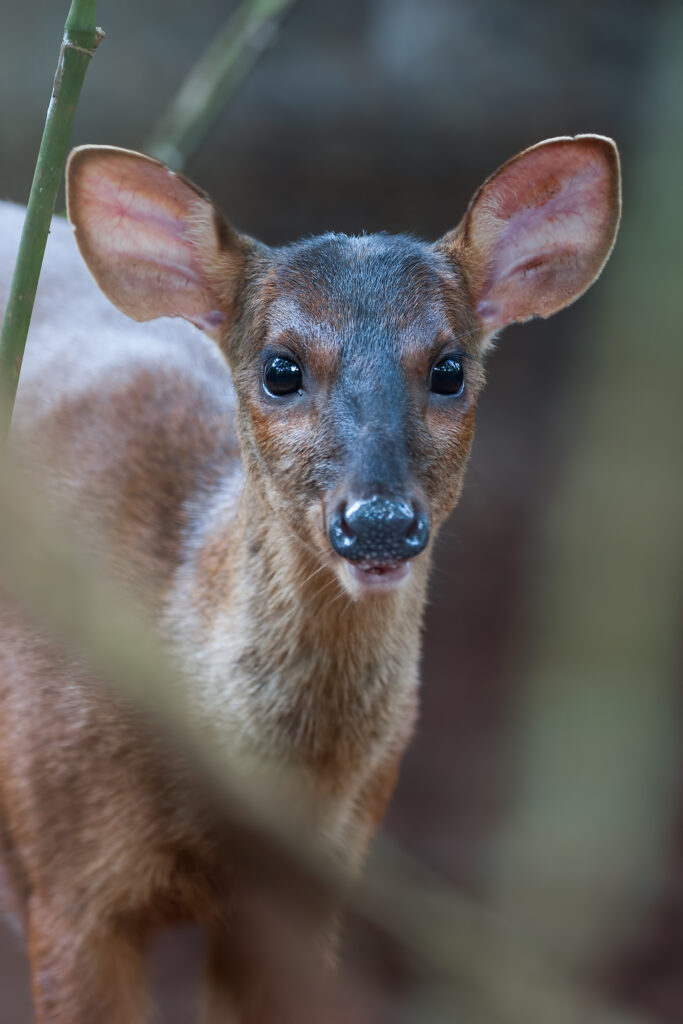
282,376
447,377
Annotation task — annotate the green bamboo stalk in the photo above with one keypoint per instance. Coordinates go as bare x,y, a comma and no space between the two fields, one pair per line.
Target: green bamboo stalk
217,75
81,38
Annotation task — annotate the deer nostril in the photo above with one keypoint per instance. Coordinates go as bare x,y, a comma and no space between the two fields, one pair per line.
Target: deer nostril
418,532
344,526
341,534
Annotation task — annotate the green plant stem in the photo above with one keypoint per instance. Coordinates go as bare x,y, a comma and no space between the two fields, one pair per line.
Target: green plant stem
81,37
214,79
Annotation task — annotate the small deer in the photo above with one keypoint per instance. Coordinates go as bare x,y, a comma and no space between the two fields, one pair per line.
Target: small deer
272,496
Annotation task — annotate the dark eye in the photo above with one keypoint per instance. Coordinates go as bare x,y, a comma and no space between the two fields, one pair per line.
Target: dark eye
447,377
282,376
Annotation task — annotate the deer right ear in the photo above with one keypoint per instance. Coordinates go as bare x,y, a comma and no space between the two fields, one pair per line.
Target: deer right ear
155,244
539,230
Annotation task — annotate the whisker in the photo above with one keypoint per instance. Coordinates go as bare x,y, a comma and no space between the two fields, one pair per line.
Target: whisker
327,586
341,594
468,334
313,574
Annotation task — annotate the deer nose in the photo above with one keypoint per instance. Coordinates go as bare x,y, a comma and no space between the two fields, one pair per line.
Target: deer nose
379,530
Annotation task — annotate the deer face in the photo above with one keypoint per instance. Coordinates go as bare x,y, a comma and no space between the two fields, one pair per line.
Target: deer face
357,378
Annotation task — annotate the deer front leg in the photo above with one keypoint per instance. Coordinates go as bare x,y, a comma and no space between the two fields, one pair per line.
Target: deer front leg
222,982
270,966
79,977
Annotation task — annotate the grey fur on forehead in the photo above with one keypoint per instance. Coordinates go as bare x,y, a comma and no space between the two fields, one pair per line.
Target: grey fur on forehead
395,281
380,256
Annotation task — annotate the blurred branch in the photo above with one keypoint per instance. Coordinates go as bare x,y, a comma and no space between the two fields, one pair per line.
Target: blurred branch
81,38
488,969
215,78
583,852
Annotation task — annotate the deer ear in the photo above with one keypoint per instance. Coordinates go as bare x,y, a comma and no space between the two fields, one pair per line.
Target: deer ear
539,230
155,244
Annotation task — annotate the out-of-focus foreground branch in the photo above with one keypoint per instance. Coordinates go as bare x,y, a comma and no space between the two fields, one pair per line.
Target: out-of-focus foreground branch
583,852
484,971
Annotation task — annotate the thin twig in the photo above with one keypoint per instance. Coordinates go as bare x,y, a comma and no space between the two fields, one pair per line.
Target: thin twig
215,78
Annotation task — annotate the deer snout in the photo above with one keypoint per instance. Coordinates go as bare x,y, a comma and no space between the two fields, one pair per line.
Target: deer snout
379,530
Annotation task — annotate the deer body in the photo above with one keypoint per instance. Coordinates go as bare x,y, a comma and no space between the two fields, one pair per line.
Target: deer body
83,435
278,540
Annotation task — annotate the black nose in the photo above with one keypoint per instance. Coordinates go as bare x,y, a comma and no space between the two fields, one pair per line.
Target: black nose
379,530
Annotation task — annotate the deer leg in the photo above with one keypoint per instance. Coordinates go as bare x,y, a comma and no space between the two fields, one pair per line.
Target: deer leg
79,977
223,981
268,969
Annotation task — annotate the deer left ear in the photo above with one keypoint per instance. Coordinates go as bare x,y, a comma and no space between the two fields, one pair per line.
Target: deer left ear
539,230
155,244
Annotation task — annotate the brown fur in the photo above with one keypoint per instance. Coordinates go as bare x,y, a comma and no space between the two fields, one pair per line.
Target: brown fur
105,835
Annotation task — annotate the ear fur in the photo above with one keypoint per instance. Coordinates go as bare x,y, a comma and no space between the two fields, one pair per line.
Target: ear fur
155,244
539,230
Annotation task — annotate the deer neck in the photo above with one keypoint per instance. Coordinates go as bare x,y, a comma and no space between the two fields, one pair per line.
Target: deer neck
275,644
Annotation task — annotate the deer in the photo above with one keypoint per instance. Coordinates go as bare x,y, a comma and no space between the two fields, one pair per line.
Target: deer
265,468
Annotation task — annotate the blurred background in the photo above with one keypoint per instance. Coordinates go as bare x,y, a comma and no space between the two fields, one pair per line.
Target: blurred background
545,775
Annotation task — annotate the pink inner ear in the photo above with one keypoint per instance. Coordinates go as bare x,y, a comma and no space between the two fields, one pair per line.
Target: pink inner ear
134,221
540,229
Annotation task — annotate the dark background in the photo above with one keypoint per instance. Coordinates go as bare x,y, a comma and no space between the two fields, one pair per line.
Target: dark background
386,115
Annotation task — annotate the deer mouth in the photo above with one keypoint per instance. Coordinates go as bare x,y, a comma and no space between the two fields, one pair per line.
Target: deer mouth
379,576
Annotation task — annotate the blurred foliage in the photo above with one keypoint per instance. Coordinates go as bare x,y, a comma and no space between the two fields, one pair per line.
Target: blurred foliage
598,724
